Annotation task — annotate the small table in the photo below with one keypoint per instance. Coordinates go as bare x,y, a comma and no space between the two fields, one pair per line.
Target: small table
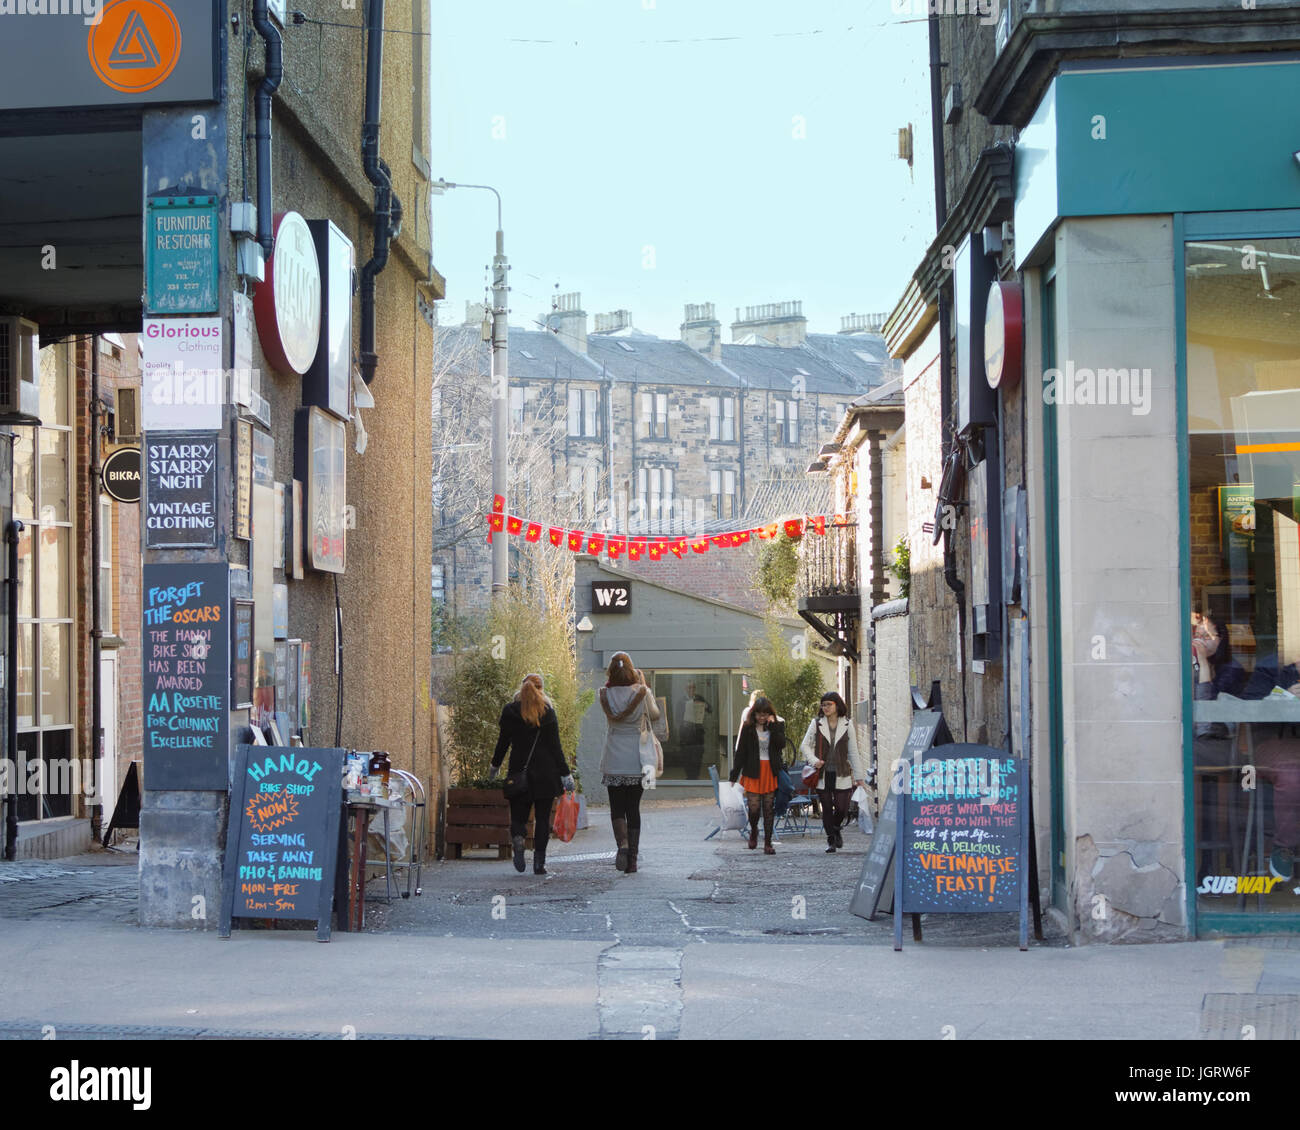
361,808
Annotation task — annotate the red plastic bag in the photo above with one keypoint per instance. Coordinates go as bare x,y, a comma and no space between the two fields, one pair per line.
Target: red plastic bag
564,824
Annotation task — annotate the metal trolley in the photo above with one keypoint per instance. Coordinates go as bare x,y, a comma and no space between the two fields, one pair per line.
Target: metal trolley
413,826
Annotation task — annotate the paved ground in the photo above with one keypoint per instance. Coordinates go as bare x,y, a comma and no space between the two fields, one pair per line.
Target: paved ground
708,940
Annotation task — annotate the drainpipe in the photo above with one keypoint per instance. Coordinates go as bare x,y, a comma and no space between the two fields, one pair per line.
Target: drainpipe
12,531
274,72
96,609
388,209
950,576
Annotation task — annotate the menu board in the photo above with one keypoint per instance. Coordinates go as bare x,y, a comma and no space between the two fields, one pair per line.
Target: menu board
963,835
876,881
180,500
283,836
186,645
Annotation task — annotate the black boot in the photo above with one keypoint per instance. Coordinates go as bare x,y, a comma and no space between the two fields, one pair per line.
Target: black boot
830,839
633,842
539,862
620,838
517,842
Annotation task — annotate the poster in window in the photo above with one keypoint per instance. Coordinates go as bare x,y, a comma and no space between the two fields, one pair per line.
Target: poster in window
321,456
241,655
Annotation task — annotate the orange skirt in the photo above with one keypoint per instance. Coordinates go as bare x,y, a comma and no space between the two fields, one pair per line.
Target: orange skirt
766,782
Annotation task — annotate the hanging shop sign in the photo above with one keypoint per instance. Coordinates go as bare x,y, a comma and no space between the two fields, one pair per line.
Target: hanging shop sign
1004,335
320,455
120,475
971,276
283,836
180,255
180,499
288,303
86,53
186,678
183,383
328,381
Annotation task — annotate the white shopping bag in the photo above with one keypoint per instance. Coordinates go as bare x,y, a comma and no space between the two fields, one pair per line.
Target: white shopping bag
731,799
865,823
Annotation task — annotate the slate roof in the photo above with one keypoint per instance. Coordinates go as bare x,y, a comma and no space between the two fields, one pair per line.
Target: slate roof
769,498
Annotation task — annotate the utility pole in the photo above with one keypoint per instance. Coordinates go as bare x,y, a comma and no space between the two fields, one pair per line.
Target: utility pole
500,387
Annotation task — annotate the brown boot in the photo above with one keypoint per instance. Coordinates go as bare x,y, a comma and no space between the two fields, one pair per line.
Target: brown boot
633,842
753,834
620,838
768,849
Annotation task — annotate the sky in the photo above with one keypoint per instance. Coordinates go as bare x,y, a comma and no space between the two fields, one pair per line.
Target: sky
654,153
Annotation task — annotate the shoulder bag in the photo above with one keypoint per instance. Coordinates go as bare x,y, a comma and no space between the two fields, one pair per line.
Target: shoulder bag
652,753
517,785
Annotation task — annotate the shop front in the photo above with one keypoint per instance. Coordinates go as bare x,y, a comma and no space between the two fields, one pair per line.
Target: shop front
1162,283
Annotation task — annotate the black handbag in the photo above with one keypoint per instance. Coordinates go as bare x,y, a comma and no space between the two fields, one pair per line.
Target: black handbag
516,784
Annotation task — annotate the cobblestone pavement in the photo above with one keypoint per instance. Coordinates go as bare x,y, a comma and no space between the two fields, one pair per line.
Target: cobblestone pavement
98,884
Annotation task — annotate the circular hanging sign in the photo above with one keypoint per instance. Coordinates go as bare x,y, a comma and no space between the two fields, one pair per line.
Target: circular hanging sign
287,303
1004,335
120,475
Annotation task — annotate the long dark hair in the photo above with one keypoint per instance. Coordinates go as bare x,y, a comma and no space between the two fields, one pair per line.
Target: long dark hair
760,705
621,672
831,696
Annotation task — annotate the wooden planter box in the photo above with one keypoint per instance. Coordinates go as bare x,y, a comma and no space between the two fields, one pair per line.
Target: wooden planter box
480,818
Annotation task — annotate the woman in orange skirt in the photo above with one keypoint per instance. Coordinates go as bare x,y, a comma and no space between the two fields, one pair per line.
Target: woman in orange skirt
758,761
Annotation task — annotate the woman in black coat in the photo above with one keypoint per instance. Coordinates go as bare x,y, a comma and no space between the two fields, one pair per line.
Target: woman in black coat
758,765
531,730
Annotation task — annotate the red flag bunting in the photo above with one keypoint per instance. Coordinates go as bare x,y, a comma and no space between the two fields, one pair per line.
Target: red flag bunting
534,532
635,547
595,543
575,540
818,524
794,528
498,502
701,546
615,546
655,549
514,525
841,520
678,546
740,538
496,522
556,535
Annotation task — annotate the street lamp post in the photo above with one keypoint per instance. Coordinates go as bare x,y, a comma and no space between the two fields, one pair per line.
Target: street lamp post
500,382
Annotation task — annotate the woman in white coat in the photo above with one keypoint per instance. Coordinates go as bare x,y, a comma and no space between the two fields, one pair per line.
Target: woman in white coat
625,699
831,746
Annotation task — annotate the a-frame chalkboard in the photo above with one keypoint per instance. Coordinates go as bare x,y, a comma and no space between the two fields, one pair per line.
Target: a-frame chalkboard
876,880
282,840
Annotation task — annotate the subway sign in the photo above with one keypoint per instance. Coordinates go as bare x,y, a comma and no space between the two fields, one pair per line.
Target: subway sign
59,54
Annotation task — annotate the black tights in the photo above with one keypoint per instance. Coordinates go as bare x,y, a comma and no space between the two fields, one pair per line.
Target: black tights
625,803
767,801
519,807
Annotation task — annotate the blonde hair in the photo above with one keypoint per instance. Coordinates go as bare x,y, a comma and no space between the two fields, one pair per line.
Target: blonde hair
532,700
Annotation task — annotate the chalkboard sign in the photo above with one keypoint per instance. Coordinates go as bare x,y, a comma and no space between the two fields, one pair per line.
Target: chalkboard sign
186,675
283,837
180,500
876,880
241,654
963,836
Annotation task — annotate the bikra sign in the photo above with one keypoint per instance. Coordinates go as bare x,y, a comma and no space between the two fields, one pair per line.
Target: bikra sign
611,596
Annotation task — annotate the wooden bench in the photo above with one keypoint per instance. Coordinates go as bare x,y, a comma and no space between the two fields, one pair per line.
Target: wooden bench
480,818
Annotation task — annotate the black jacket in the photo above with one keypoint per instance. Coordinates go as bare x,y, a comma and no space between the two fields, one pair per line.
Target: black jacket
747,760
548,766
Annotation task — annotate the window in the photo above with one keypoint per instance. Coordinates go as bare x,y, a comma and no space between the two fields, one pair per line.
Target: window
583,483
722,485
439,584
785,422
722,418
106,565
654,415
654,488
516,411
584,412
42,482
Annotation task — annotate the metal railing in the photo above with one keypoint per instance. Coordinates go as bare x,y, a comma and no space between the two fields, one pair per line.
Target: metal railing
829,562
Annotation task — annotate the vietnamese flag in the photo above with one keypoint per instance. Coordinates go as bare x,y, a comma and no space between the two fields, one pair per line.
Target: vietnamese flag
496,522
575,540
595,543
701,546
794,528
635,547
655,549
768,531
556,535
615,546
818,524
534,532
498,502
740,537
514,525
678,546
841,520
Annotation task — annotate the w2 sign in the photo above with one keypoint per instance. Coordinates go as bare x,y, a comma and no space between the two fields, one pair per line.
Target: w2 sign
611,596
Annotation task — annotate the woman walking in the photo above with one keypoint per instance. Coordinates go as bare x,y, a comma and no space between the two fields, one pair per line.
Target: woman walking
758,762
830,745
626,700
531,730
